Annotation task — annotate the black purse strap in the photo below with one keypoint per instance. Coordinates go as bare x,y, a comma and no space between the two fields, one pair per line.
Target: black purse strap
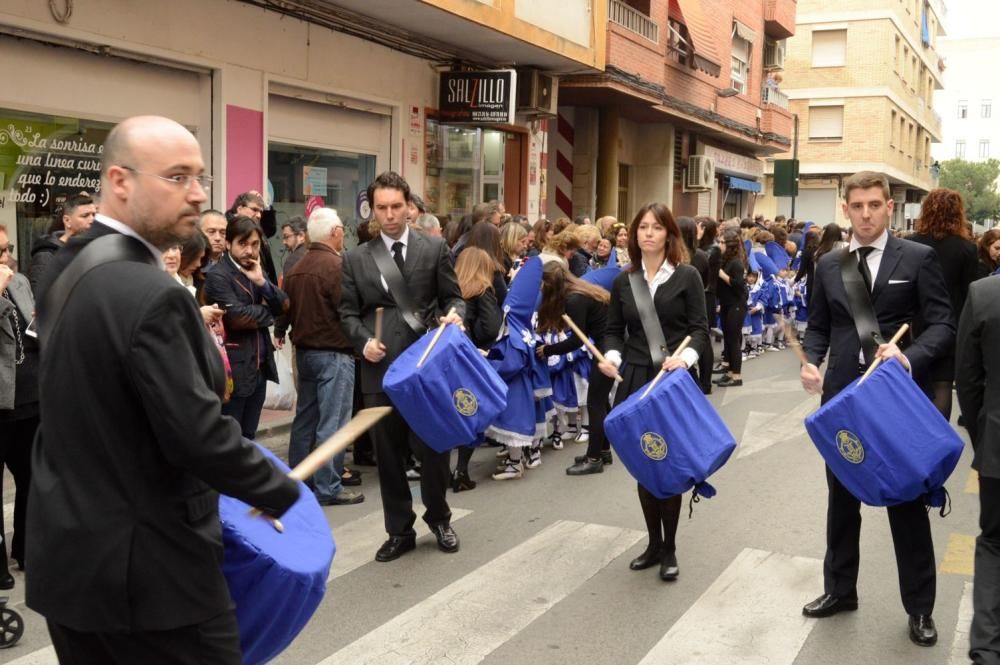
650,322
859,299
397,286
106,249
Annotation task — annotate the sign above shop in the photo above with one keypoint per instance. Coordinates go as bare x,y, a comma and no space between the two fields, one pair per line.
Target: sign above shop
732,163
477,97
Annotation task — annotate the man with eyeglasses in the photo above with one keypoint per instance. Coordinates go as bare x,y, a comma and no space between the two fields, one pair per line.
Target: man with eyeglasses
293,237
124,539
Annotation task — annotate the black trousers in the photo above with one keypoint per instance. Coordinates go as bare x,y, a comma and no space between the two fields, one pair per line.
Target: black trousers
246,410
911,538
984,637
15,454
363,444
597,409
732,336
707,360
214,642
394,440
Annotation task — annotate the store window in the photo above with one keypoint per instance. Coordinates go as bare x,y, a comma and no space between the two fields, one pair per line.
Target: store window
301,177
44,159
465,166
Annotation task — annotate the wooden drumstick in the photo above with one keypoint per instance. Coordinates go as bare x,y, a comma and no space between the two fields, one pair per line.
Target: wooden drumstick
590,345
333,446
793,341
878,361
379,311
659,375
434,340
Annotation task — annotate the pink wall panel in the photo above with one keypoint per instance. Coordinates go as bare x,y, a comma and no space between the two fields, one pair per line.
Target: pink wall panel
244,151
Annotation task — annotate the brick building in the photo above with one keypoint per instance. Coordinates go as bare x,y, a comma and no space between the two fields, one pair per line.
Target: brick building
687,105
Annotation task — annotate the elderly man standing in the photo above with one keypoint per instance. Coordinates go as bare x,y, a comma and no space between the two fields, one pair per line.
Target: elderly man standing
323,354
123,526
213,225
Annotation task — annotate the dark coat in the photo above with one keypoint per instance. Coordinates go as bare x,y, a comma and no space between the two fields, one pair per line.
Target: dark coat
123,526
917,296
978,365
483,319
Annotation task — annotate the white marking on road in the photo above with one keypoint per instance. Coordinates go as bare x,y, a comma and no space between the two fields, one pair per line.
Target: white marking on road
750,615
363,536
757,387
473,616
960,645
763,430
8,517
46,656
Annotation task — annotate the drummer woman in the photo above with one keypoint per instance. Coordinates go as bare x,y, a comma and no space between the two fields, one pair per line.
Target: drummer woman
587,305
656,248
475,272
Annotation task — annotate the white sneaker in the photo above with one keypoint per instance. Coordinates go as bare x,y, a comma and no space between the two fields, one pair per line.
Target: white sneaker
583,436
510,471
534,457
557,444
569,434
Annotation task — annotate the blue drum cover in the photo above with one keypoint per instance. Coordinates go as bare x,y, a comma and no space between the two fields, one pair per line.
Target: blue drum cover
277,580
885,440
453,397
673,439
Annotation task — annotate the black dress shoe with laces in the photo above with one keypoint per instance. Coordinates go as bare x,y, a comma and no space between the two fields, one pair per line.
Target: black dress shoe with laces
395,547
828,605
668,567
923,632
446,537
606,458
6,581
586,467
461,482
647,559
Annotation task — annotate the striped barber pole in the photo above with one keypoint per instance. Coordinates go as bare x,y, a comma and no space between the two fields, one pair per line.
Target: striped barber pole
561,145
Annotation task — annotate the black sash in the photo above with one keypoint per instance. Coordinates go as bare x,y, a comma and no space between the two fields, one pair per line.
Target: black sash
106,249
859,299
397,286
650,322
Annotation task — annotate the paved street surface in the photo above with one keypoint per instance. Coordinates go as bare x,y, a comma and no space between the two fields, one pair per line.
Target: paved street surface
542,575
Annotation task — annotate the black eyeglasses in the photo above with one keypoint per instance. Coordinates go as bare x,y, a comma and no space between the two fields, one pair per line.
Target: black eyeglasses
9,249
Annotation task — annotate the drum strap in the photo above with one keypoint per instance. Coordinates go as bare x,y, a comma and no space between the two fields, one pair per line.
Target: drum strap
859,300
106,249
650,322
397,286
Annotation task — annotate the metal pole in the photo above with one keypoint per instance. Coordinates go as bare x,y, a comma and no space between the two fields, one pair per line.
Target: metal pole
795,159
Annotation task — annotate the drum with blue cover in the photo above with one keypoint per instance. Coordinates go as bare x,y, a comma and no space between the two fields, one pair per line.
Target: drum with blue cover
672,439
885,441
453,397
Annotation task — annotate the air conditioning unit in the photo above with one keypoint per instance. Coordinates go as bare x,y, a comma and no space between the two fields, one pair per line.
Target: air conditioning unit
536,93
774,55
700,173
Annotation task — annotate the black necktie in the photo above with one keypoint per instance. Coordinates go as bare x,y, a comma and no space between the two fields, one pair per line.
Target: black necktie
866,273
397,255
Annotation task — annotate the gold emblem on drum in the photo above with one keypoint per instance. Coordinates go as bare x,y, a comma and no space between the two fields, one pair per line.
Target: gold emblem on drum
465,402
850,447
653,446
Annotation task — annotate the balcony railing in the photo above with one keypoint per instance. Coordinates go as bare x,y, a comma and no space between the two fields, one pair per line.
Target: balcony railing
774,96
633,20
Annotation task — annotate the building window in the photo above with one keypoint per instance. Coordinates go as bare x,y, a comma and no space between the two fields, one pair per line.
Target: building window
624,193
902,66
892,129
826,122
895,55
960,149
902,130
909,142
740,63
678,42
984,149
963,109
829,48
987,108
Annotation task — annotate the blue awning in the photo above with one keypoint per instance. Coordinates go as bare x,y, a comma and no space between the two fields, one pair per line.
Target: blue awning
746,185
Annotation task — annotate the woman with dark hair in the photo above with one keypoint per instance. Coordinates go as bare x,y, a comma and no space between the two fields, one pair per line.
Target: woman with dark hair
618,235
540,234
475,270
587,305
458,234
942,227
658,258
732,294
989,253
807,264
692,233
486,236
832,238
710,230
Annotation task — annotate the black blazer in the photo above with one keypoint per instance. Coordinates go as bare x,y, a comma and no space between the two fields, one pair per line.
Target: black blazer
917,295
680,307
123,526
433,287
958,258
483,319
250,311
978,376
590,315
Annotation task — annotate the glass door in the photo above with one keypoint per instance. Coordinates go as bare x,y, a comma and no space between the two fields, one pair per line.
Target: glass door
493,165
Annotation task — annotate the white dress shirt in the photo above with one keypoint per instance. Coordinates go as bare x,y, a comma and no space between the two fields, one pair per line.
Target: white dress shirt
127,230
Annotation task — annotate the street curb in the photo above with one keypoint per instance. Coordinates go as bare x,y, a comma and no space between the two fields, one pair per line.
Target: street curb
275,428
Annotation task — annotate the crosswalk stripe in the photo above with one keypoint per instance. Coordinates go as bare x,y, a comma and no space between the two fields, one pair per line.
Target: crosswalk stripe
750,614
972,483
960,645
959,555
361,537
46,656
495,601
763,430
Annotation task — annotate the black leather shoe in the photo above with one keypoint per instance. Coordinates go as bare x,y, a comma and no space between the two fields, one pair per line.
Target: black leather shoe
668,567
460,482
345,498
922,630
586,467
606,458
728,382
720,369
446,537
647,559
395,547
351,481
6,581
827,605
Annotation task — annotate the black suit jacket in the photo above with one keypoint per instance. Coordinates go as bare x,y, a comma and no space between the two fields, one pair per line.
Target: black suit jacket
909,288
978,373
123,526
428,273
250,311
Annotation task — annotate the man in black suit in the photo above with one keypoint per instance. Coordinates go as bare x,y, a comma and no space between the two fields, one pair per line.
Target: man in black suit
430,285
977,365
123,527
904,284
